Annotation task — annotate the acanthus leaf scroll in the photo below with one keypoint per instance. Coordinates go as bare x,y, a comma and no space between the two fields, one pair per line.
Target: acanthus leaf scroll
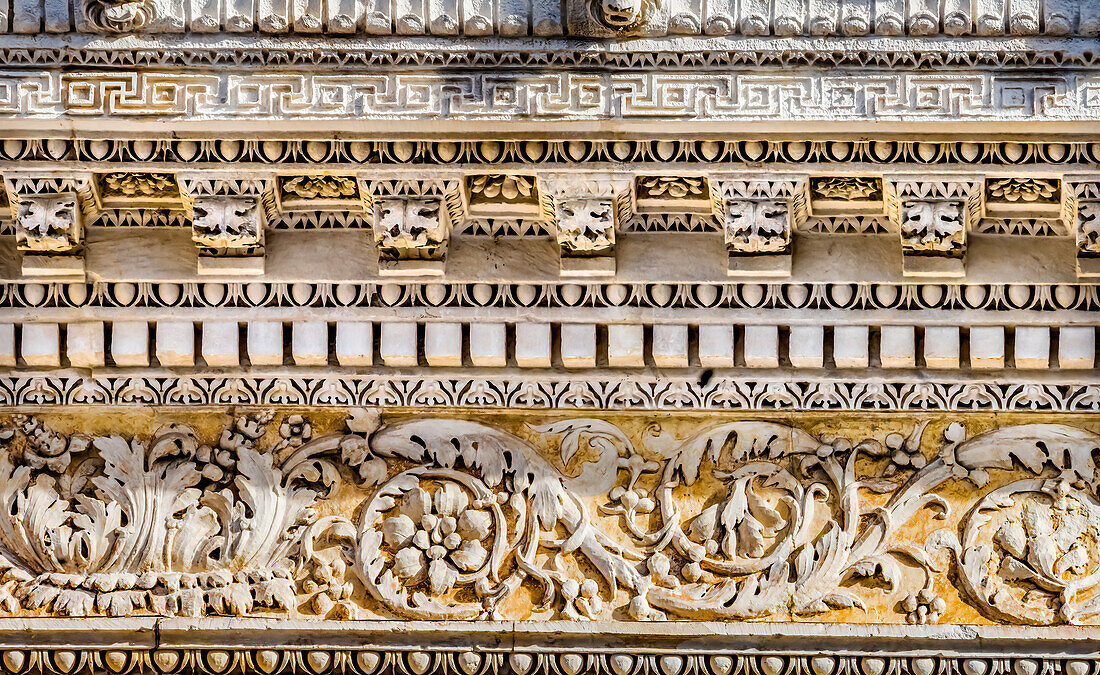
447,519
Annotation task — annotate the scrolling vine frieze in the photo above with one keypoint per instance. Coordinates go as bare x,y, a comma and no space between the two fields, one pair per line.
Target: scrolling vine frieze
450,519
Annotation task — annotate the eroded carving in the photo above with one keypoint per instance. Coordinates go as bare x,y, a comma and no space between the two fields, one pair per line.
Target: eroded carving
585,225
933,226
757,227
48,223
447,519
410,228
319,187
227,223
846,188
125,184
1022,189
119,16
1088,227
319,192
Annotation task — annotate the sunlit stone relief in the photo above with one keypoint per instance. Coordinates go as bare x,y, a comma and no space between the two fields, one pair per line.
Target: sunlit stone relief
328,514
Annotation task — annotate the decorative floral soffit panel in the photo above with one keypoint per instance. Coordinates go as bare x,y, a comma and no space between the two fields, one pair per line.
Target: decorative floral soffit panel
927,519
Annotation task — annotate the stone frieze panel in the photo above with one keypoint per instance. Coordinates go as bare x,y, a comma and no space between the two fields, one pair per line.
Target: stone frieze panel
339,515
580,18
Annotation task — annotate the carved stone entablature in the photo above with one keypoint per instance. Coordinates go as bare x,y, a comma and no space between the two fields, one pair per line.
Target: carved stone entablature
49,215
759,216
227,222
345,515
933,216
413,221
588,209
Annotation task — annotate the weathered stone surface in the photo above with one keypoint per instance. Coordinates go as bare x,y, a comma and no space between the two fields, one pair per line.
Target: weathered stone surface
863,519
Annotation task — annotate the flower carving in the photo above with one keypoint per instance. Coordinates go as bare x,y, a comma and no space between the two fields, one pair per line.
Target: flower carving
847,188
138,184
674,187
1023,189
47,449
320,187
437,536
503,187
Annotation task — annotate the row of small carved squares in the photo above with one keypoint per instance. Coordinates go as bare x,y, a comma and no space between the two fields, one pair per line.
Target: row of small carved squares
561,296
585,18
219,343
477,660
